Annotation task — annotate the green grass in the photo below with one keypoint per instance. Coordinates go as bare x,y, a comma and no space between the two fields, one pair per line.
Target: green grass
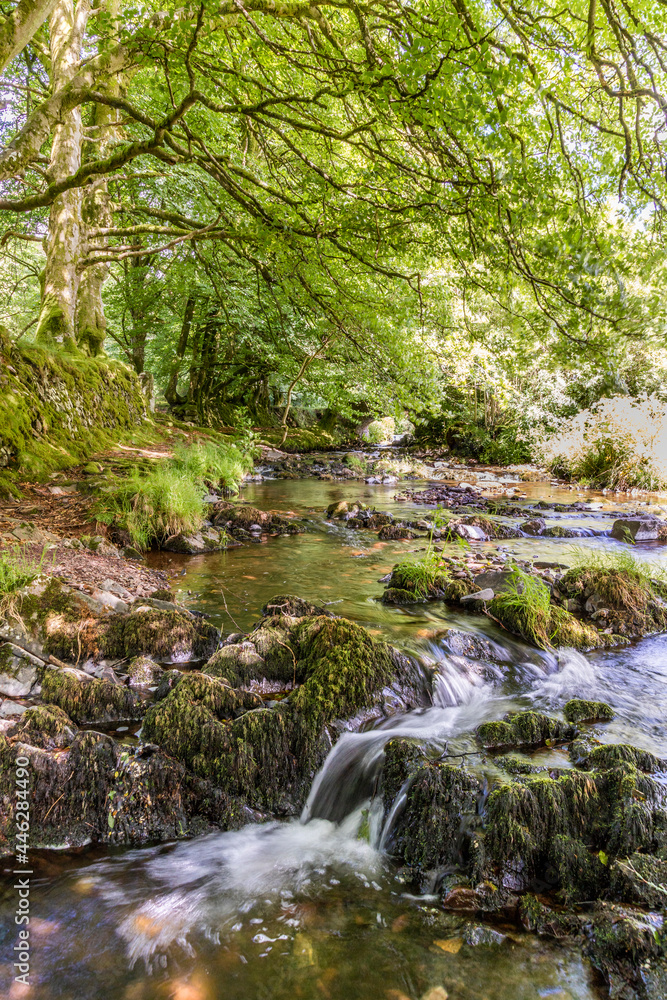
212,464
17,569
525,609
166,500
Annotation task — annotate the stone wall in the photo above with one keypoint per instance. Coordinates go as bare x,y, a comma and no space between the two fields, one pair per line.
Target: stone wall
56,408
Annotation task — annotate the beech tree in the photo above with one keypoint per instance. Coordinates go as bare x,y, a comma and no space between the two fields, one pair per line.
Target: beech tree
341,154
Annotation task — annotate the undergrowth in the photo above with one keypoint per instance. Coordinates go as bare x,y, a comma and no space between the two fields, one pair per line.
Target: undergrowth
161,502
17,569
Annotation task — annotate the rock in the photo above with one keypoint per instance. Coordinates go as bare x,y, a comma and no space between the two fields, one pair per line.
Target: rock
131,553
11,709
499,581
480,935
111,587
639,529
471,532
480,595
577,710
237,664
339,508
394,532
92,469
144,672
107,601
91,791
86,699
207,540
268,757
533,527
18,671
523,729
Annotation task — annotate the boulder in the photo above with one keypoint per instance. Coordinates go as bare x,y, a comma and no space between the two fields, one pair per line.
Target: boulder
535,526
207,540
18,671
639,529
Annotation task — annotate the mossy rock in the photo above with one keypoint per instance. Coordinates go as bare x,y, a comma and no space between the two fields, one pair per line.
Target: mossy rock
544,628
46,726
152,632
143,672
292,607
523,729
634,605
610,755
237,663
89,700
394,595
56,409
394,533
96,790
578,710
270,756
421,580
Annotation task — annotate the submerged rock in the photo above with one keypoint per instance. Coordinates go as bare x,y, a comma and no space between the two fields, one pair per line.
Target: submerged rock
203,541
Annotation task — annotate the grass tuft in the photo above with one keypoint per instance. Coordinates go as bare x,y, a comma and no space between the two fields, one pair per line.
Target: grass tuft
17,569
167,500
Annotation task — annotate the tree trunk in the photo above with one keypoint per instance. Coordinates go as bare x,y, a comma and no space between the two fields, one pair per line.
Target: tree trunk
57,318
96,213
171,392
18,28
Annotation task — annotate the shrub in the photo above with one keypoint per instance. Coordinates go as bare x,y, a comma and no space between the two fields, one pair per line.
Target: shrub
619,443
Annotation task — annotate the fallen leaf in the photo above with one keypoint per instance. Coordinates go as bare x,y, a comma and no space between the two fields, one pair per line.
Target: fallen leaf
451,945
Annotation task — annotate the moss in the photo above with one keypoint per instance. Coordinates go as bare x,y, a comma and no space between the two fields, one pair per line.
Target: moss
457,588
524,729
439,814
577,710
193,722
291,606
393,595
634,605
544,627
517,765
157,633
612,754
270,756
641,878
56,408
45,726
89,700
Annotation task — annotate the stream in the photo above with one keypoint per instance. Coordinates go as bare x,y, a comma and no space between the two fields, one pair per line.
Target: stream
307,908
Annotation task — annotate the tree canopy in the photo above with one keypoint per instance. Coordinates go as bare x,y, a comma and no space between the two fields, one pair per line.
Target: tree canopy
254,195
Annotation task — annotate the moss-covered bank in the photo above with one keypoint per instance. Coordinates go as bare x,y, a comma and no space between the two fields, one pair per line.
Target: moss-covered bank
57,408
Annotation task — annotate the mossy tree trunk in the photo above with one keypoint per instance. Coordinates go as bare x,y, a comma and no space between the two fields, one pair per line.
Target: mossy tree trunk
97,215
60,286
171,392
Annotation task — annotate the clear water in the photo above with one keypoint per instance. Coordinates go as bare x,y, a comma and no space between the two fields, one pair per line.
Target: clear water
306,909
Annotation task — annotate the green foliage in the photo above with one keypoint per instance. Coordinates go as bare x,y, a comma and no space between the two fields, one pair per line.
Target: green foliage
525,608
213,464
167,500
17,569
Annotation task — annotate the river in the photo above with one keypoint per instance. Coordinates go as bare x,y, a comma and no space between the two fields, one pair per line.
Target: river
307,908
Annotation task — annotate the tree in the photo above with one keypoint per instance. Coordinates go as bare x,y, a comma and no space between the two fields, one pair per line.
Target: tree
340,156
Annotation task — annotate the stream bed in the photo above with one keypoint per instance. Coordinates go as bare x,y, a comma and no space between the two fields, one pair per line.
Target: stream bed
308,908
